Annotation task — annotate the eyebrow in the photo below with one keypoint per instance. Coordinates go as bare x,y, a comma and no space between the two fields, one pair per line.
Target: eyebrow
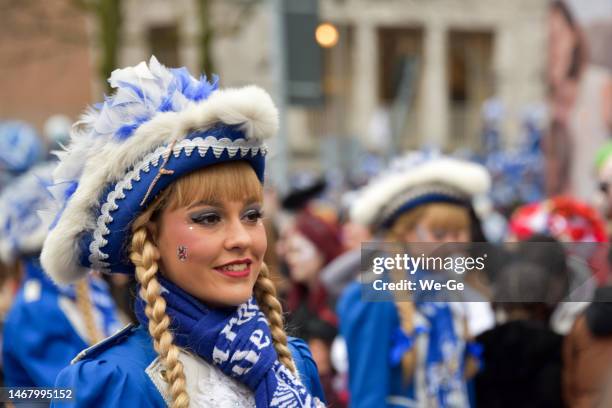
211,203
219,204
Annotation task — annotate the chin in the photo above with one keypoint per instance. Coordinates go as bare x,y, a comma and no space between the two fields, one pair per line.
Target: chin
231,297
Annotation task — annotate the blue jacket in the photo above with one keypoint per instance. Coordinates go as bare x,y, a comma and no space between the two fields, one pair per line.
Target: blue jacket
39,339
375,343
367,328
112,373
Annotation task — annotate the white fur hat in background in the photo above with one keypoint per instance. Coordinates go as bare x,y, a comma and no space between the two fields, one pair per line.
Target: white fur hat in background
159,125
415,179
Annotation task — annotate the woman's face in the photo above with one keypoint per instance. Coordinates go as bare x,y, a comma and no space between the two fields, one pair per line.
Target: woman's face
303,258
213,250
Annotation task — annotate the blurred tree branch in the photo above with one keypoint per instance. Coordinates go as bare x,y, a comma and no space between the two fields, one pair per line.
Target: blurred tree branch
209,31
107,14
206,37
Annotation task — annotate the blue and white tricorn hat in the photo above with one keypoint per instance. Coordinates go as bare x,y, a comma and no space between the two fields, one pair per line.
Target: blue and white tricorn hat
22,231
159,125
415,179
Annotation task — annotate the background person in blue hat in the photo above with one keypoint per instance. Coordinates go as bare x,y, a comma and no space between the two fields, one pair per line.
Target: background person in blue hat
164,181
48,324
410,352
20,149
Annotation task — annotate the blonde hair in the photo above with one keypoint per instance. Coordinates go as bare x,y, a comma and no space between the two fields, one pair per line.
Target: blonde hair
83,301
450,217
227,181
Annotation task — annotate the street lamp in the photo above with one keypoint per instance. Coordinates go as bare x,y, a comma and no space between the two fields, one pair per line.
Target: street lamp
326,35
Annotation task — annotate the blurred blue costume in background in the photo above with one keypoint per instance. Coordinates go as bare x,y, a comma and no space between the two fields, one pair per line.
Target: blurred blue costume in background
45,327
44,332
375,362
380,330
160,125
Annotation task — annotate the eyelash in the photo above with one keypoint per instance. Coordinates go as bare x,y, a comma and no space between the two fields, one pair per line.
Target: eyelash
209,219
257,213
202,218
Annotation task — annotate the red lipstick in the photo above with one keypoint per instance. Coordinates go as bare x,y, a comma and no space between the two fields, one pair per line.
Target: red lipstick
240,268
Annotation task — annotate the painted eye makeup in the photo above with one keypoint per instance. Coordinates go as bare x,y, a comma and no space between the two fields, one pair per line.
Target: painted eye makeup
253,215
208,218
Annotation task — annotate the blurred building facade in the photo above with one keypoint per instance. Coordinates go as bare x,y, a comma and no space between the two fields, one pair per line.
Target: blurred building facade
45,60
461,52
403,73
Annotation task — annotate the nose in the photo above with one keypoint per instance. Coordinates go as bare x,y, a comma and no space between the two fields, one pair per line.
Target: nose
237,236
462,236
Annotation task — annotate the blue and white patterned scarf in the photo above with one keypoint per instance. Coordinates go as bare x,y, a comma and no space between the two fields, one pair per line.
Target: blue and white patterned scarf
442,384
236,340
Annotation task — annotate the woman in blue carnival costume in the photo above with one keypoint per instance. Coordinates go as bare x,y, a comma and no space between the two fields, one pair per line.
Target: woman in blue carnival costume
20,149
47,325
413,352
164,181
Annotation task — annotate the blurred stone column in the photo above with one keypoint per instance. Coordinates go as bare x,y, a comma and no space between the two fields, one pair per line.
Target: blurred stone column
435,109
365,82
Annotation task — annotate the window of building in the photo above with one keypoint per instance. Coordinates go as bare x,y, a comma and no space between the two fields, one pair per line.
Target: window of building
164,44
470,83
399,78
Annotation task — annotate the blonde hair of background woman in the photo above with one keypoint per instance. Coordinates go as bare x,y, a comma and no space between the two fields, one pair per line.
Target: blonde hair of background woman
439,216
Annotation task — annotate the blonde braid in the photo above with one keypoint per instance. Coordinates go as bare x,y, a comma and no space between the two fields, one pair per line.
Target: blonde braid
265,294
144,255
83,301
406,312
472,365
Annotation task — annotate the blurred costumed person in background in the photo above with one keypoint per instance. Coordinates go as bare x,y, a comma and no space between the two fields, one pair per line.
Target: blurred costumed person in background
582,231
310,245
20,149
345,268
587,352
580,100
169,172
603,165
303,197
587,349
521,357
48,324
414,352
582,315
